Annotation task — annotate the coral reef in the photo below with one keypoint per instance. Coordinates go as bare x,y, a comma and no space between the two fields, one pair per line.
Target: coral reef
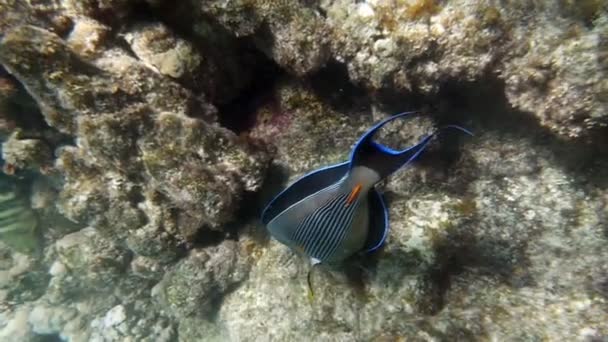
196,284
26,153
551,57
469,253
141,139
121,127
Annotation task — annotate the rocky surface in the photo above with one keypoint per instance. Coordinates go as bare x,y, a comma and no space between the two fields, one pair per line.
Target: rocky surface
198,282
552,58
148,136
471,253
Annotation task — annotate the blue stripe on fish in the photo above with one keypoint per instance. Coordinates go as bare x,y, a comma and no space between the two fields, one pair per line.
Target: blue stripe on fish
322,232
316,213
302,234
318,220
331,222
336,229
340,234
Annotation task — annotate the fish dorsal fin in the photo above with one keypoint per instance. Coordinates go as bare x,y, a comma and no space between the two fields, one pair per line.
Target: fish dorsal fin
384,160
378,222
303,187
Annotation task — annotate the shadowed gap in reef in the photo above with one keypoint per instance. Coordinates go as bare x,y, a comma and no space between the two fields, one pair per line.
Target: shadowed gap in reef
484,106
22,108
238,115
332,85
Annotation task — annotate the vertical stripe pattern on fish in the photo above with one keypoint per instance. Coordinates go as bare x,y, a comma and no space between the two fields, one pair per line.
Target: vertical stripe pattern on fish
322,232
18,222
333,212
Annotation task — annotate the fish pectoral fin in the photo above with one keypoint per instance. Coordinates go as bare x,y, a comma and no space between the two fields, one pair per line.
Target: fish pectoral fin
354,194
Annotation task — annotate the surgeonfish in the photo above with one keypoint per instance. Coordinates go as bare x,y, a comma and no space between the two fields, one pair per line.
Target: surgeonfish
334,212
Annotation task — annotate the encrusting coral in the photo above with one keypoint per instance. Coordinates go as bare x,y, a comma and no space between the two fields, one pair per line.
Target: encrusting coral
119,117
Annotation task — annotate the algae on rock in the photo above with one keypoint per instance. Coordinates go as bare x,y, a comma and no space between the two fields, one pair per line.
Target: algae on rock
197,283
111,103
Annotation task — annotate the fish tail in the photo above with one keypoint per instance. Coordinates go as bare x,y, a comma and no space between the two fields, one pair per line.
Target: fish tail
462,129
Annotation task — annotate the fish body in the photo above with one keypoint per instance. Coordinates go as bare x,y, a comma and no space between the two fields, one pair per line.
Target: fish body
18,222
336,211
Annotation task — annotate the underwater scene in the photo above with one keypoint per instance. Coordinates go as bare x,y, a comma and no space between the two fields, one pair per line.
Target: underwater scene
303,170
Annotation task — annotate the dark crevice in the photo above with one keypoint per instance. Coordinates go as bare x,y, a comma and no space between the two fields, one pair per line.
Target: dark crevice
206,237
236,110
332,85
20,112
483,107
47,338
239,115
22,108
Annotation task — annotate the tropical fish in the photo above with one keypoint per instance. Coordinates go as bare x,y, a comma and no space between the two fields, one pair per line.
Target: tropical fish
18,222
336,211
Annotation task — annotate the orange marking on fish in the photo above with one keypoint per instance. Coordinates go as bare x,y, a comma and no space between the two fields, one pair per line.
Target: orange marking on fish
353,194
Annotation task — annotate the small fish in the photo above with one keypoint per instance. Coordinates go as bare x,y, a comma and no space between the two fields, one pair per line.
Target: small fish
336,211
18,223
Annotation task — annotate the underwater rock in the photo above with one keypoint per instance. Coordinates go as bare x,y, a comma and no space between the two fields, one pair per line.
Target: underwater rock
147,268
122,311
304,124
133,323
494,244
163,51
197,329
196,285
15,326
88,263
46,320
90,196
202,169
23,278
48,14
68,88
413,46
24,154
561,76
294,35
110,10
501,236
131,120
551,62
8,89
88,37
194,64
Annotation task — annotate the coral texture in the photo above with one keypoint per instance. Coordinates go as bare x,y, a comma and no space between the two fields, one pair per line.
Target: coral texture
141,140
